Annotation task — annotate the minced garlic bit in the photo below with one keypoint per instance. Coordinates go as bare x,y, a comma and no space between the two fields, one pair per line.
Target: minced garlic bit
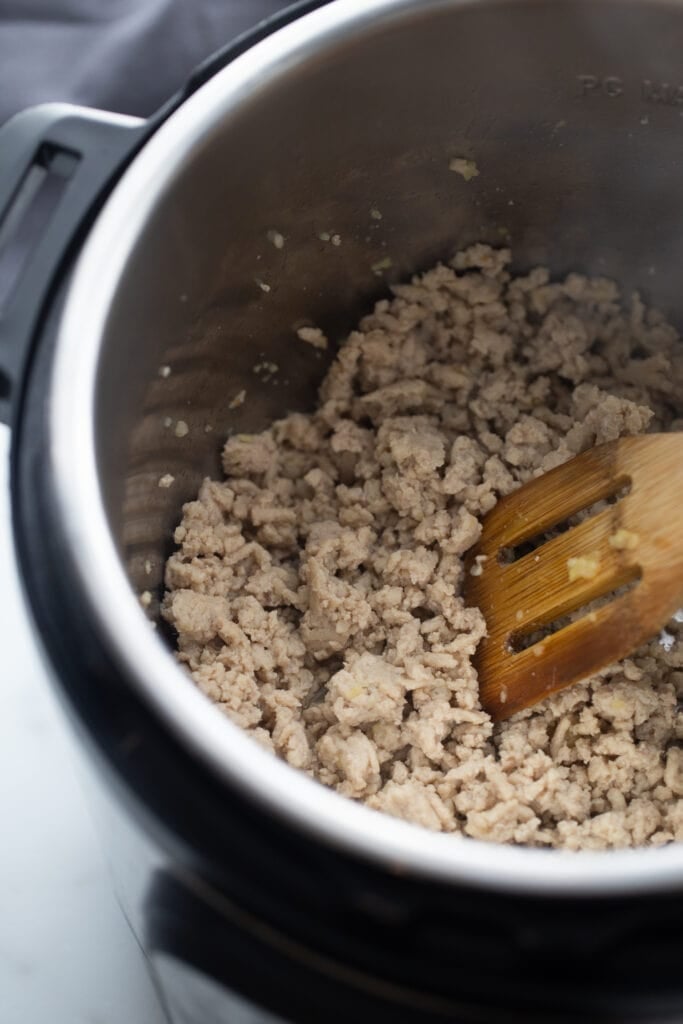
146,598
467,169
503,695
238,399
336,240
262,285
166,480
478,567
624,540
148,567
312,336
667,640
381,265
265,367
375,213
165,371
181,429
324,236
583,567
276,238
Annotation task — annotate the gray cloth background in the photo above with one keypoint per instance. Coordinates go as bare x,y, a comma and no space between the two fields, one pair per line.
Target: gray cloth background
122,55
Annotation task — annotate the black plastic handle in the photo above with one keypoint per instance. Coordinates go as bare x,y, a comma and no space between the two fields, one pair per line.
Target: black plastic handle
208,68
56,162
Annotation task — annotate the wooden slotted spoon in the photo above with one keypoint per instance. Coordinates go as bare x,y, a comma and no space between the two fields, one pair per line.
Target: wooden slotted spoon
636,540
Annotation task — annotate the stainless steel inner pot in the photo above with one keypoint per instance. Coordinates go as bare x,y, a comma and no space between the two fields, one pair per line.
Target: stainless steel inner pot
573,112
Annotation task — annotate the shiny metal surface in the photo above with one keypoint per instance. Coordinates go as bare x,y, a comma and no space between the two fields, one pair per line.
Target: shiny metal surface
572,113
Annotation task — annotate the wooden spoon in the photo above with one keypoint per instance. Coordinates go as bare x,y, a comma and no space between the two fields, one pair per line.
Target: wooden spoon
637,540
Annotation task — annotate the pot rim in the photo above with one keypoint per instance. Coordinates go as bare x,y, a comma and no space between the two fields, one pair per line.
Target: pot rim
398,846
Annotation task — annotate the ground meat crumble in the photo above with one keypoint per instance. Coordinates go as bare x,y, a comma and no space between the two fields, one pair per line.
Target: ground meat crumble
316,591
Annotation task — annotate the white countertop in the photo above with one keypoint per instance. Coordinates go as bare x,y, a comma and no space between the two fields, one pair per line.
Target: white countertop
66,953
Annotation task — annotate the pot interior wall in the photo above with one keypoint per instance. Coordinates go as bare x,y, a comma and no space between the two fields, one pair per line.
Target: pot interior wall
573,114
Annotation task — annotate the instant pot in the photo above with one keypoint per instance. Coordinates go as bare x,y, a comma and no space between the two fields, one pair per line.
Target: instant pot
148,266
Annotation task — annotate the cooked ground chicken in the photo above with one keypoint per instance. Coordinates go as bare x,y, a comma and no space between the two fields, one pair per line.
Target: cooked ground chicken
316,591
